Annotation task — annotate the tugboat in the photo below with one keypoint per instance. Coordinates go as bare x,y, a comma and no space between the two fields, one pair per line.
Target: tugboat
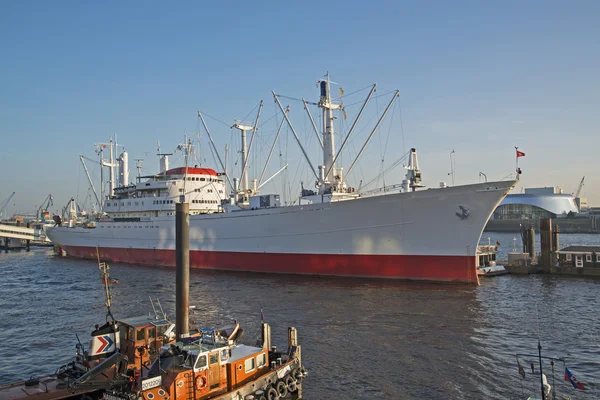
117,351
214,366
138,358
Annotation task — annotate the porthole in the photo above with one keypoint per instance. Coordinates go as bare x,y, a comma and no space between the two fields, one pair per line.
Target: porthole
180,384
161,392
150,396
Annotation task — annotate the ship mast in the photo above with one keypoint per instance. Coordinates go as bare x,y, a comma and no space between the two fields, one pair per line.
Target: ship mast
245,153
328,168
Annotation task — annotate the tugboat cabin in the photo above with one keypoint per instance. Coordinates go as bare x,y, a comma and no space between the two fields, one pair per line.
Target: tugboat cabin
142,337
203,369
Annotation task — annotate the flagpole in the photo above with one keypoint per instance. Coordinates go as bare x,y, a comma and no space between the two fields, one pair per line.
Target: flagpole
540,351
517,162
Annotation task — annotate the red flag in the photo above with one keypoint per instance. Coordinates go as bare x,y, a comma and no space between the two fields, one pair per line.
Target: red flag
520,154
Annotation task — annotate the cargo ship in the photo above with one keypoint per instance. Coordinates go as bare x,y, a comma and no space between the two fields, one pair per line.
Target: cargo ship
413,233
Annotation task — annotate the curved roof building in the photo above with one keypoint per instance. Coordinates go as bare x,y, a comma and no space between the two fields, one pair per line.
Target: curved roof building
536,203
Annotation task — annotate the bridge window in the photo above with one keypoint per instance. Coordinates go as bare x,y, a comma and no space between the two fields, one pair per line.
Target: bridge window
140,335
214,358
588,258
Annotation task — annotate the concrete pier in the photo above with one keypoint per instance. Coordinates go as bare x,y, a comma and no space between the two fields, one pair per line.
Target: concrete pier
182,284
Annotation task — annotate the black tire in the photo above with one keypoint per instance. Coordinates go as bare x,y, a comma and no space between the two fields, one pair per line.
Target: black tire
297,375
282,389
290,382
272,394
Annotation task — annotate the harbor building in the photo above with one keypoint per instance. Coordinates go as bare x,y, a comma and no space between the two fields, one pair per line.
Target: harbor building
536,203
533,204
580,256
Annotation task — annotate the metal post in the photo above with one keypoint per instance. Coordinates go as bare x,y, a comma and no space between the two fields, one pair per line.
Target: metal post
313,170
182,284
244,177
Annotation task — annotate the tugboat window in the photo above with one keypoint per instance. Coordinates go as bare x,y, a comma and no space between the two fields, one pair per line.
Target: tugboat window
214,358
261,360
140,335
151,331
224,355
201,362
249,364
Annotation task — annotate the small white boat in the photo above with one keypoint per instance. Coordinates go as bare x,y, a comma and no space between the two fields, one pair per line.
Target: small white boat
491,270
486,258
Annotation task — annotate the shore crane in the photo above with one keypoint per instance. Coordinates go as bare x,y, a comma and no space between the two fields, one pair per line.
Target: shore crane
5,204
579,188
48,201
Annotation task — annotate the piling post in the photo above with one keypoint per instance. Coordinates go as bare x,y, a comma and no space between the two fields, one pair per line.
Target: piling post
546,242
182,284
266,336
27,240
531,241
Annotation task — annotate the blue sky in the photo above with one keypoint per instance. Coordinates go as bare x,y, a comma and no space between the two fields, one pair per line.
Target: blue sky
476,77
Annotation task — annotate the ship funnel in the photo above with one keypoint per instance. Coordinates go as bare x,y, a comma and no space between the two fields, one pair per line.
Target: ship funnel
324,89
164,164
124,169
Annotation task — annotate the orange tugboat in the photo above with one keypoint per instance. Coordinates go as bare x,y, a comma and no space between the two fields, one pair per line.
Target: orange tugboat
139,358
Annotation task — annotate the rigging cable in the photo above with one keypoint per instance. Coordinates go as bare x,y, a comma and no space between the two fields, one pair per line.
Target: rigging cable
401,124
387,142
216,119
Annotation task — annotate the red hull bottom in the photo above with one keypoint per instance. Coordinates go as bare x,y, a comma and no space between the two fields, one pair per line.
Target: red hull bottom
459,269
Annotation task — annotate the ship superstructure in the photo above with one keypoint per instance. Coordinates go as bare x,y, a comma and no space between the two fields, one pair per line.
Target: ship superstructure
410,233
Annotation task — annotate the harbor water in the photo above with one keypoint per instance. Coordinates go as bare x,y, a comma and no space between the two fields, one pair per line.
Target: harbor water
361,339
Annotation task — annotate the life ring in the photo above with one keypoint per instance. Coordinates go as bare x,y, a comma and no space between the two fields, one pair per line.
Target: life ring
282,389
201,383
291,384
272,394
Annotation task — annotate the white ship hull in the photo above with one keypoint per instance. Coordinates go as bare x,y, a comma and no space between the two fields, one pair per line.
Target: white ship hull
428,235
